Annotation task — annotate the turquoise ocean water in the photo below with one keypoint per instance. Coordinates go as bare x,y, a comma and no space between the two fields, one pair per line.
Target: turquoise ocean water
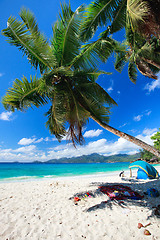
27,171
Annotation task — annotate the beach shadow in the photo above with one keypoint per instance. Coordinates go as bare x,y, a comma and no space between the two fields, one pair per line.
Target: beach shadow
151,203
109,204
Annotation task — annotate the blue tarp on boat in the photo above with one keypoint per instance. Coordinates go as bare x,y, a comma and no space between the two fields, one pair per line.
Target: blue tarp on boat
145,170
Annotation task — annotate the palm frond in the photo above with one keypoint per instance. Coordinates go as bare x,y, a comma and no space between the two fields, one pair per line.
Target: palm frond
27,38
132,71
93,53
144,17
94,108
98,13
65,41
119,17
121,59
76,115
94,91
85,75
93,98
29,20
150,51
137,11
55,122
24,94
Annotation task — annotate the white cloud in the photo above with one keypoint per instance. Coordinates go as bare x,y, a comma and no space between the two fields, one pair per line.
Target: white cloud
47,139
137,118
26,141
23,154
27,149
6,116
93,133
146,135
153,85
110,89
148,112
123,125
1,74
132,152
39,140
101,146
149,131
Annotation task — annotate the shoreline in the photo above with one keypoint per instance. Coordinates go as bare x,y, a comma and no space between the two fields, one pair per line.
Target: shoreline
50,177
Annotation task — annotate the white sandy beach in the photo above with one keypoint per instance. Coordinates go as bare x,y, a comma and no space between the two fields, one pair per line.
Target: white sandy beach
46,210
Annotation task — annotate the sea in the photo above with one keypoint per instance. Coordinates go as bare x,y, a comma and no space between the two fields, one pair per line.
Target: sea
34,171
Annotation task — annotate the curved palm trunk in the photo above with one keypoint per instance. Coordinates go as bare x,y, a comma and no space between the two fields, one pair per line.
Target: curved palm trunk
128,137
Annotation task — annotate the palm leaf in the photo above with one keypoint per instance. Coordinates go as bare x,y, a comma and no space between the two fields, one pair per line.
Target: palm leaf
119,17
55,122
94,108
121,59
93,98
83,76
132,72
150,51
93,53
24,94
96,92
137,11
65,41
29,41
98,13
30,21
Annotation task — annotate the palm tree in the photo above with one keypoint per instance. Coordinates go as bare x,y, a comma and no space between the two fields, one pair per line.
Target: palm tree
143,16
68,76
141,20
140,54
68,73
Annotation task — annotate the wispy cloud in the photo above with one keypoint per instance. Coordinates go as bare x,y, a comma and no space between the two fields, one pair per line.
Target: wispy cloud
147,112
26,149
28,141
1,74
137,118
123,125
6,116
92,133
110,89
149,131
153,85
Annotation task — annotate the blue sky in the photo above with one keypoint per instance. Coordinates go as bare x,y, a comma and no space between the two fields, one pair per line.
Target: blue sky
24,137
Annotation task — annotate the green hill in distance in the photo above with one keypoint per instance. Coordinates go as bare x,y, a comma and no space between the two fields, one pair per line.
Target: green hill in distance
97,158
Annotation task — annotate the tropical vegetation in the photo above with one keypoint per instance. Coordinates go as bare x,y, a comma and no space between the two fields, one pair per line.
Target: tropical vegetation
156,138
68,75
148,155
140,18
